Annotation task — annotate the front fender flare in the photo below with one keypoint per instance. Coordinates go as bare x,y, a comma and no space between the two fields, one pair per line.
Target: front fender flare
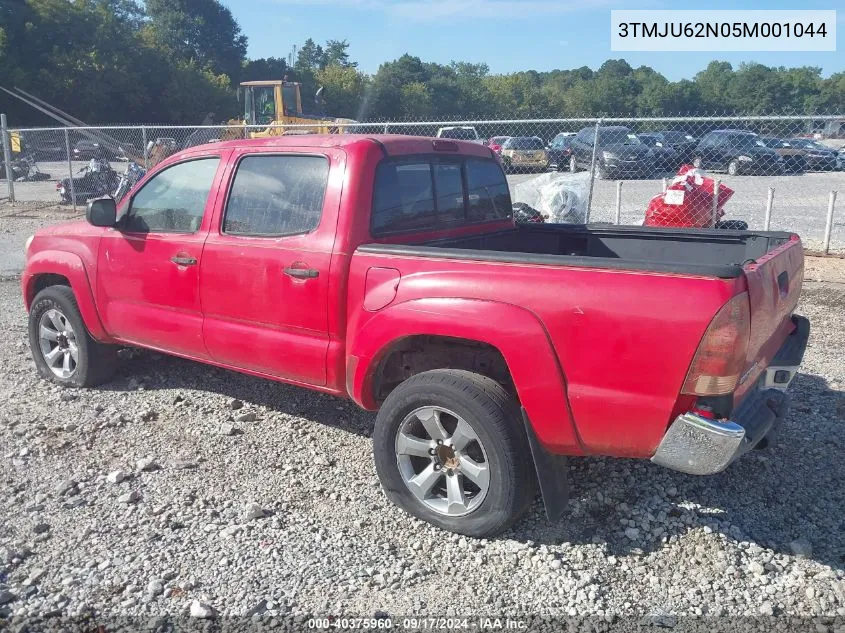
516,332
68,265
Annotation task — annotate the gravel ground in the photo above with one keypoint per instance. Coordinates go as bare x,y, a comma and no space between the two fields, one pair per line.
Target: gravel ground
20,221
184,489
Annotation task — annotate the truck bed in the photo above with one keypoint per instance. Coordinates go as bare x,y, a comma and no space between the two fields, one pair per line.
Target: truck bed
712,253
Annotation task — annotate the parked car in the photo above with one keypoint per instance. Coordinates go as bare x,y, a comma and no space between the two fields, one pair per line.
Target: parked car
619,153
664,155
460,133
560,150
87,149
794,159
496,142
819,157
524,153
44,145
737,152
391,272
681,142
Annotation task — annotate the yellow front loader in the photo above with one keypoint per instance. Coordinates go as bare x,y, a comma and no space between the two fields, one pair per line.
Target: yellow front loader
277,105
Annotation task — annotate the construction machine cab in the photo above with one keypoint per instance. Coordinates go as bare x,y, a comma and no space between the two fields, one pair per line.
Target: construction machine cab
266,102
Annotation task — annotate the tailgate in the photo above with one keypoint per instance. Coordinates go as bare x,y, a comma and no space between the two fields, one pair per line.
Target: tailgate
774,287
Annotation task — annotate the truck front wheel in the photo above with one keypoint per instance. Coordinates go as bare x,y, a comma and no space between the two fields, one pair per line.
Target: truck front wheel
450,450
62,348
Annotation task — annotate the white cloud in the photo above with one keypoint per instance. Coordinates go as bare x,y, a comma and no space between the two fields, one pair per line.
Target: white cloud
436,10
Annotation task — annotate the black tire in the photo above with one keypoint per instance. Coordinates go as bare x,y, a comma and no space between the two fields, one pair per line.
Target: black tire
732,225
494,417
733,168
96,362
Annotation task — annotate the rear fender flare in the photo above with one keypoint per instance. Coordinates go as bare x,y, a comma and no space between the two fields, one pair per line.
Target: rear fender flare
68,265
516,332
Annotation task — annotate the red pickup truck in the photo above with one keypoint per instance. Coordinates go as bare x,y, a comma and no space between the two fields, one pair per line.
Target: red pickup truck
388,270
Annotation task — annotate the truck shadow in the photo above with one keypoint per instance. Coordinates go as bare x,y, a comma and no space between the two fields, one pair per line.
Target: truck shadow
159,372
770,498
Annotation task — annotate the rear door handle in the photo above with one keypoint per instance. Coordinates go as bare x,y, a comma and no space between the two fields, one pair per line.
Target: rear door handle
183,260
302,273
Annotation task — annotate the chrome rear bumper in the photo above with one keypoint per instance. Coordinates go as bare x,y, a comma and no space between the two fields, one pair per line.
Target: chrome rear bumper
697,445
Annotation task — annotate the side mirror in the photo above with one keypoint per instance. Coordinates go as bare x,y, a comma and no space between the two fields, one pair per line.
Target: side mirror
102,212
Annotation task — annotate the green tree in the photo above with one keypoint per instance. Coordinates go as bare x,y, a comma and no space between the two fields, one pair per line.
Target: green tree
200,31
264,69
336,53
343,90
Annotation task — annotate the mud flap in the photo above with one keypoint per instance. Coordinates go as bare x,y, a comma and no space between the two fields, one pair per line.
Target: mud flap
552,474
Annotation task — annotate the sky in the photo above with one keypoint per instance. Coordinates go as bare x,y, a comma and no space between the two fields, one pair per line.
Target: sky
507,35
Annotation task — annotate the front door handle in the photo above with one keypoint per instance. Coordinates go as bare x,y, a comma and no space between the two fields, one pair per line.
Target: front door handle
183,260
302,273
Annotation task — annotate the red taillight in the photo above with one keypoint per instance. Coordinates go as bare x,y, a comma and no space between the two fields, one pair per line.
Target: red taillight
720,358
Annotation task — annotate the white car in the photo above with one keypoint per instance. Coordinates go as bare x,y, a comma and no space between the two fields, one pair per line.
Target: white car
460,133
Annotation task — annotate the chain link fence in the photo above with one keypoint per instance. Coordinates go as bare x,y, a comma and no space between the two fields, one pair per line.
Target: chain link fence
769,172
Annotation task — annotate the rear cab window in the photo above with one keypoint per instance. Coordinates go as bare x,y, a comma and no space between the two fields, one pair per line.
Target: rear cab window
428,193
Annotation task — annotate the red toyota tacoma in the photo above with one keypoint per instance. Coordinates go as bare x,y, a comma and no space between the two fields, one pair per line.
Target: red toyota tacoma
388,270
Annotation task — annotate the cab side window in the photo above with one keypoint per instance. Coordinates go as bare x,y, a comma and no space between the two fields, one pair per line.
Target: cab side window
172,201
273,196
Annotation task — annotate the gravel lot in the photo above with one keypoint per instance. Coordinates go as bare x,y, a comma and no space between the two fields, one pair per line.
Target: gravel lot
184,489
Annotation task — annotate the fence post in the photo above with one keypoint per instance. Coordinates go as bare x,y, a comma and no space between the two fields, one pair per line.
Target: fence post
592,174
717,185
618,202
828,225
144,141
386,125
70,170
663,185
7,156
769,201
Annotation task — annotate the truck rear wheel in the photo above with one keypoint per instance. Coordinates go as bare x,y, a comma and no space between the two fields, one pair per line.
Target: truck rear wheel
450,450
62,348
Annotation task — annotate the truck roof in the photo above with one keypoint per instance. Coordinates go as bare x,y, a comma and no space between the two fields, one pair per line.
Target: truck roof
392,143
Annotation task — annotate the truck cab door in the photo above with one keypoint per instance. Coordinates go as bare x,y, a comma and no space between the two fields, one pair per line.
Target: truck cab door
148,267
265,271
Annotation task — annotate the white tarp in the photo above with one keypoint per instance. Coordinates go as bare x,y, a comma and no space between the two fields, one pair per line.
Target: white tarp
560,196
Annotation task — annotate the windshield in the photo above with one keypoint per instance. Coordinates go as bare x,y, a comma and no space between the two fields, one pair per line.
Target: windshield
802,143
524,142
806,143
459,133
617,136
677,137
774,143
651,141
746,140
260,105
